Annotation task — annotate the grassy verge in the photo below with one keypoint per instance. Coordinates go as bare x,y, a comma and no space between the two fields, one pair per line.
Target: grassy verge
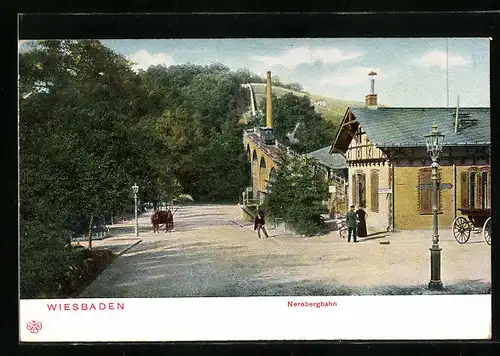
88,264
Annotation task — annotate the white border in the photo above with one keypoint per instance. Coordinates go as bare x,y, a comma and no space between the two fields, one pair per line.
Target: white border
428,317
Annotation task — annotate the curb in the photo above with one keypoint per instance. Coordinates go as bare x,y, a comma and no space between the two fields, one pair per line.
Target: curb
243,226
128,248
109,265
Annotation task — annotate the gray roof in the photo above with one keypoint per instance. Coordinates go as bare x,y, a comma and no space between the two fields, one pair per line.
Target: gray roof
334,160
393,127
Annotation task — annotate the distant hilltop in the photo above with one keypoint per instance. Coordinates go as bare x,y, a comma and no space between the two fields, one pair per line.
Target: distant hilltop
322,104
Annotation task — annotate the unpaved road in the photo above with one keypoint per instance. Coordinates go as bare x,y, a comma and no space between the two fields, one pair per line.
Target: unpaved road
208,255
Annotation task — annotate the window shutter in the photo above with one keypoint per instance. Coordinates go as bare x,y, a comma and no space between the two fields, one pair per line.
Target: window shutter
354,190
425,195
464,189
485,188
374,191
480,190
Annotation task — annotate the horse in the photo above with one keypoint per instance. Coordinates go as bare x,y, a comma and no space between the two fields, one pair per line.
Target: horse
162,217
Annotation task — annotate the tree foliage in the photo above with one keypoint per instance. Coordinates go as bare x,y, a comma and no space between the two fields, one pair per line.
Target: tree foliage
298,125
297,194
80,130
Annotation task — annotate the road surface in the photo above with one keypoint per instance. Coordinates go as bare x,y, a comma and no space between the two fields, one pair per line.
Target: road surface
208,255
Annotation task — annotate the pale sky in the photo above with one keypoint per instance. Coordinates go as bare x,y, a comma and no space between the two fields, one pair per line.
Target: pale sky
411,71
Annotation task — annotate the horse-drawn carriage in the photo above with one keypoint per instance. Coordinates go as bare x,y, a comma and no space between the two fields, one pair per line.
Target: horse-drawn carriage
478,221
161,217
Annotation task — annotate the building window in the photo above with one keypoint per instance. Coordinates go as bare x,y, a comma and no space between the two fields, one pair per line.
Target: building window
475,189
472,190
425,194
358,189
374,180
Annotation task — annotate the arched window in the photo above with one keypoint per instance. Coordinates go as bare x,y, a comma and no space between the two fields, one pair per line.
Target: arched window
248,153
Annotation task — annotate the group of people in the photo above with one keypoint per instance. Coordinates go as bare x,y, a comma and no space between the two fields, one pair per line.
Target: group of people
356,223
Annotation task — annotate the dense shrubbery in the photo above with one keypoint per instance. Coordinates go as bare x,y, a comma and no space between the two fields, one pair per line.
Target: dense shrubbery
297,195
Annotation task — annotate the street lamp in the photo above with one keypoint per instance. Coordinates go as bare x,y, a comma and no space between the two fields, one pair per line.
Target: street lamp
434,142
135,189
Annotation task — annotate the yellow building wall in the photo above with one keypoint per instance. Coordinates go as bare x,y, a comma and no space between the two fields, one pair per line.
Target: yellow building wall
407,215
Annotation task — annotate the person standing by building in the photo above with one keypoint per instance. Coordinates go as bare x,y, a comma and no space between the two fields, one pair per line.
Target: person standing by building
259,223
361,230
351,220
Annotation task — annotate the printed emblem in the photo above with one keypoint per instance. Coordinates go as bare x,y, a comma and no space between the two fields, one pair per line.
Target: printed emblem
34,326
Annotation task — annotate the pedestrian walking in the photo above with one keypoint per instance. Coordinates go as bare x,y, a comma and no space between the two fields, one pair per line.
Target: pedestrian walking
361,229
351,220
259,223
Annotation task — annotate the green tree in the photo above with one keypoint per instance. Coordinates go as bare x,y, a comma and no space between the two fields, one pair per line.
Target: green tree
197,128
295,115
81,148
294,86
297,194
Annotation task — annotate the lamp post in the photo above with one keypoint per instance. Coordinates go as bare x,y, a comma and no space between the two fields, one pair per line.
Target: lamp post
434,142
135,189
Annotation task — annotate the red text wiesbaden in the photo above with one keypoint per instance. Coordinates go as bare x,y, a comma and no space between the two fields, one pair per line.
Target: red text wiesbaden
85,306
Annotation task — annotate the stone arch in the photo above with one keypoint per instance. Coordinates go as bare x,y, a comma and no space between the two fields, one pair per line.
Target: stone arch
255,174
262,173
248,153
272,174
272,177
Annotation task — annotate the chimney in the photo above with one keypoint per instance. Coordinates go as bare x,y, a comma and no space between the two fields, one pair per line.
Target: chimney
266,133
371,99
269,105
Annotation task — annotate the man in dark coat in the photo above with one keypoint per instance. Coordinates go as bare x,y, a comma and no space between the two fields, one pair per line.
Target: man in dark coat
259,223
351,220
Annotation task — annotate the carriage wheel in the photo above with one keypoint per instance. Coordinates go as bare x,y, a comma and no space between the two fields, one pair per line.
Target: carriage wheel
461,230
487,231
